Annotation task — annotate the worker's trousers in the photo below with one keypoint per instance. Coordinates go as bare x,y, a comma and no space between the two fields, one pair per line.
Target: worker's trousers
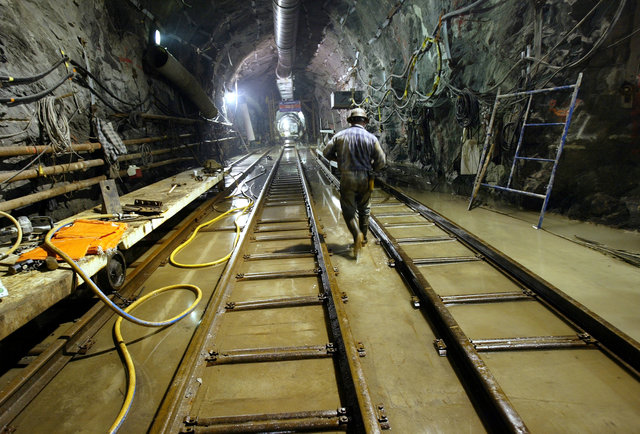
354,197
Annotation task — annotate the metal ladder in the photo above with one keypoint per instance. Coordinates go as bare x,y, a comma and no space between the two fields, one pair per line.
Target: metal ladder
486,156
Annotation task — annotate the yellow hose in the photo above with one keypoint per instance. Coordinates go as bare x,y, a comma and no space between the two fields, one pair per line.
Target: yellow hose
122,347
123,314
18,240
131,372
210,222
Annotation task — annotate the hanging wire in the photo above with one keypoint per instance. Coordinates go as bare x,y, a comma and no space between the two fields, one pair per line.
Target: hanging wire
55,125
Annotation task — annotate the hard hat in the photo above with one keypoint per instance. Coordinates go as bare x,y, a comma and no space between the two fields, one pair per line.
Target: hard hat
357,114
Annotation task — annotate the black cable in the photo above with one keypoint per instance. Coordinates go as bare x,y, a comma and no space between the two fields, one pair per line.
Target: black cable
467,109
6,79
81,81
35,97
99,83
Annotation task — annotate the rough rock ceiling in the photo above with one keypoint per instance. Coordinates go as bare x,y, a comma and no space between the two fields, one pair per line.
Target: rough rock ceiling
238,36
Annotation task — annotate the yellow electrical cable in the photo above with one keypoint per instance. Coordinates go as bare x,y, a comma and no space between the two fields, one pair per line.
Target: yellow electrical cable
18,240
122,313
122,347
210,222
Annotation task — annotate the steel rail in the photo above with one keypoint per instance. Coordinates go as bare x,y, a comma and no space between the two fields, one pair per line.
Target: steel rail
18,393
479,380
175,412
348,357
594,330
617,343
168,417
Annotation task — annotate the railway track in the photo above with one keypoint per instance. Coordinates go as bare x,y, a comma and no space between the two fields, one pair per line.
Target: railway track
495,319
273,350
46,362
276,325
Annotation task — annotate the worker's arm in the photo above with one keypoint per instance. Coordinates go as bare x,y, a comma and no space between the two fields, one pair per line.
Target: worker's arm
379,159
330,151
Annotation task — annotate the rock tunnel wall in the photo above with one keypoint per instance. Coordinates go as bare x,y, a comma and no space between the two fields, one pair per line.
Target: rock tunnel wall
419,91
109,38
369,46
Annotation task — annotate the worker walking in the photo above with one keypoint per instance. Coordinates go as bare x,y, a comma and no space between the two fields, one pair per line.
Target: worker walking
358,154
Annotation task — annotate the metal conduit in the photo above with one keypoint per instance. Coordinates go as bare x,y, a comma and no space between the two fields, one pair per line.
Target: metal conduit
154,164
14,151
285,27
47,194
50,170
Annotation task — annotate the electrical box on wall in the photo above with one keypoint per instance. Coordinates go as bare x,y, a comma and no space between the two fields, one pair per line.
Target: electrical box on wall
346,99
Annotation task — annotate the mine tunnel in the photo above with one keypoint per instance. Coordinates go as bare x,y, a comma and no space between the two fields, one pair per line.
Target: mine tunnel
319,216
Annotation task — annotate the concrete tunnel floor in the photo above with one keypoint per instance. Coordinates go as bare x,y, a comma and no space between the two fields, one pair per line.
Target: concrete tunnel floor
419,389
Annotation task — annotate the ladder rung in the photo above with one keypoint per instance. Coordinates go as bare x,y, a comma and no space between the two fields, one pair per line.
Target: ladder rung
278,255
216,420
544,124
409,240
513,190
395,214
284,237
408,224
491,297
277,274
385,204
281,229
285,203
285,220
531,92
550,160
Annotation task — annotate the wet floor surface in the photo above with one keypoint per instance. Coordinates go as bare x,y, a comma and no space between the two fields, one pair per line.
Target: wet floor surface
606,285
419,389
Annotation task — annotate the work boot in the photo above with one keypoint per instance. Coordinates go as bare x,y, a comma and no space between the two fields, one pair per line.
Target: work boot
357,245
364,228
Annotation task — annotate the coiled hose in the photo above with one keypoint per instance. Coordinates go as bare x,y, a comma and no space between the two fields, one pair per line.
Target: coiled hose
124,313
243,210
467,109
18,240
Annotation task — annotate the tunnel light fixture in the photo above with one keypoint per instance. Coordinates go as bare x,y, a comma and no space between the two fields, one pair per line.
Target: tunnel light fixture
158,38
230,97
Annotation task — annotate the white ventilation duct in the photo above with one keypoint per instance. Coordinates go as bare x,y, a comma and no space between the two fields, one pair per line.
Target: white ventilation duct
168,66
285,27
246,120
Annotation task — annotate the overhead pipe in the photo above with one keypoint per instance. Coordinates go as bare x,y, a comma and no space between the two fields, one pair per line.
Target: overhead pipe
129,157
156,164
14,151
47,194
50,170
180,120
168,66
285,27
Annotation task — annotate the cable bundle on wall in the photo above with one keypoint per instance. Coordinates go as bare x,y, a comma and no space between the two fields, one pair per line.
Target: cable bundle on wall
467,109
55,125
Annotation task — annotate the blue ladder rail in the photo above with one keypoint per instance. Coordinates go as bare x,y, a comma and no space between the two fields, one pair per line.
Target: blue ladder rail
485,156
